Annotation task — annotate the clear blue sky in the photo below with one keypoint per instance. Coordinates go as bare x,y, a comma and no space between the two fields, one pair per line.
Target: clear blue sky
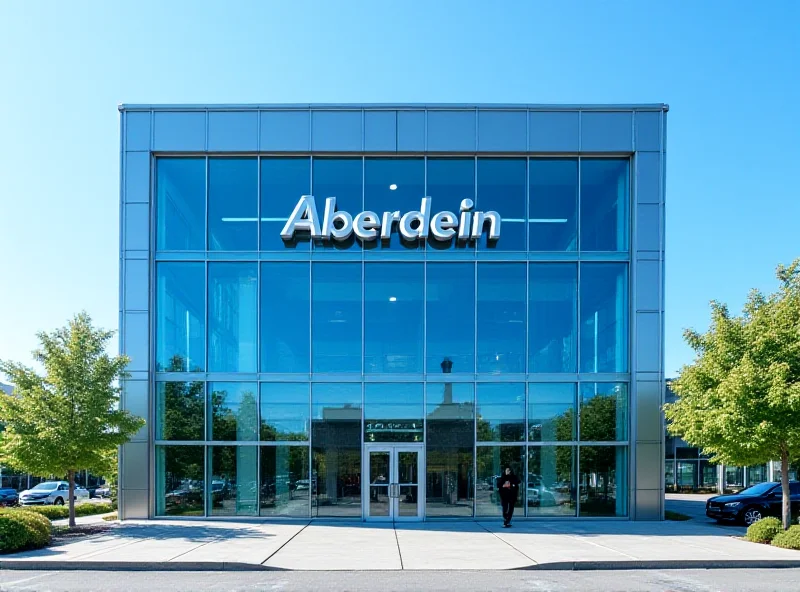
730,71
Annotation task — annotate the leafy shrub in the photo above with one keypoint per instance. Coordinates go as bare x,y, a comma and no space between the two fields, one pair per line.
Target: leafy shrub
61,512
764,530
788,539
23,530
91,509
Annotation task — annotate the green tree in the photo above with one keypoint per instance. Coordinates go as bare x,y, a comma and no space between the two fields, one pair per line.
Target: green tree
740,399
69,418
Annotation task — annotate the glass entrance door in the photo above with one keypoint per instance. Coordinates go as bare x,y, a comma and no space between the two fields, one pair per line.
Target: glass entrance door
393,485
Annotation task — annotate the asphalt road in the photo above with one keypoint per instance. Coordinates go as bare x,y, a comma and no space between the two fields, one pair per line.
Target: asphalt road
729,580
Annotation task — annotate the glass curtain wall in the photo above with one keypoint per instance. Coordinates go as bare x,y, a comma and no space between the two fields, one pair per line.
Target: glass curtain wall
275,367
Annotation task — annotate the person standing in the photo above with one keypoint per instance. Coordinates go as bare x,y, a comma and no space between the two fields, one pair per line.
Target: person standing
508,488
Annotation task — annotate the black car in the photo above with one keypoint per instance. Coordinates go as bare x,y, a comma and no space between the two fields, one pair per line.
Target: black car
754,503
9,497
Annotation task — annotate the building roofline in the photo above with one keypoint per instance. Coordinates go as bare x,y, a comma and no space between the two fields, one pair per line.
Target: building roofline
392,106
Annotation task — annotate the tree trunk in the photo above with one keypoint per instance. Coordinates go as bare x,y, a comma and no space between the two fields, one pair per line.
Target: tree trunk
787,513
71,477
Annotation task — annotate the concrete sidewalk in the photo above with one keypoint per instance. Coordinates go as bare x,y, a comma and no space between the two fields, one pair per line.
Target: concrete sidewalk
191,545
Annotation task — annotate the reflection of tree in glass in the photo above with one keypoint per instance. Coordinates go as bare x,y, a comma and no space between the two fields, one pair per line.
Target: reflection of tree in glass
183,408
229,420
269,433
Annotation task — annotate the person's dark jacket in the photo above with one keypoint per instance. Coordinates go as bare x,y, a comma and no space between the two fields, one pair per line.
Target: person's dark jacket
509,493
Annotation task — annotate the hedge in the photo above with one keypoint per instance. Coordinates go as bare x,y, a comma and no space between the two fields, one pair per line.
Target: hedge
764,530
788,539
20,530
60,512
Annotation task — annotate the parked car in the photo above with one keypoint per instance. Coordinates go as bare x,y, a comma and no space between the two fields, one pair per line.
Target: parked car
51,493
8,497
103,491
752,504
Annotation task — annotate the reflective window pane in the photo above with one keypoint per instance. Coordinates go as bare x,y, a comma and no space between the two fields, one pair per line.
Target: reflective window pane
501,412
336,317
336,436
284,411
501,317
501,188
180,317
450,317
393,317
233,411
552,414
343,179
604,412
492,462
232,317
550,487
283,181
285,317
284,481
604,317
232,204
552,317
180,484
450,181
553,209
393,412
393,184
603,480
180,410
449,449
605,193
234,480
181,204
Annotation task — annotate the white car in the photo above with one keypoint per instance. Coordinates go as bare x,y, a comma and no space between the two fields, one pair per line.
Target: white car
51,493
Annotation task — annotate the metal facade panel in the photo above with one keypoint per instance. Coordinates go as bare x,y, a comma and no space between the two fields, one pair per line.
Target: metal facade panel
137,177
648,177
177,131
648,227
135,401
554,131
648,341
285,131
134,466
647,130
336,131
607,131
380,131
502,131
137,130
133,504
136,286
648,465
451,131
137,227
648,285
649,504
233,131
649,427
135,342
410,131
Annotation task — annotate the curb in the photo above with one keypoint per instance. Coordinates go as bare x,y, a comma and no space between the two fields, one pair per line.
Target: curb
134,566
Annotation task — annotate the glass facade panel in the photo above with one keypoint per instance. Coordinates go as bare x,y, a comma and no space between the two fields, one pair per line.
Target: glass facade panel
501,317
553,317
501,412
603,480
449,449
180,484
181,204
180,410
450,317
285,317
234,480
285,487
393,412
553,209
450,180
605,197
551,488
283,181
233,204
336,440
180,317
492,461
501,188
393,317
393,184
232,317
552,412
284,411
233,411
336,317
604,412
604,317
342,178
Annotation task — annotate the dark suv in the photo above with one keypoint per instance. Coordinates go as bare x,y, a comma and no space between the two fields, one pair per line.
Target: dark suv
754,503
8,497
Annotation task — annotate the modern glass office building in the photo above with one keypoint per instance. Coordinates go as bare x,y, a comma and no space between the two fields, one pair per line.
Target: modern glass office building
369,311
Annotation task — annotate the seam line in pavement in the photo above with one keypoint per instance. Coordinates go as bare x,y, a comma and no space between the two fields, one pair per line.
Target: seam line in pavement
291,538
397,540
214,540
501,539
